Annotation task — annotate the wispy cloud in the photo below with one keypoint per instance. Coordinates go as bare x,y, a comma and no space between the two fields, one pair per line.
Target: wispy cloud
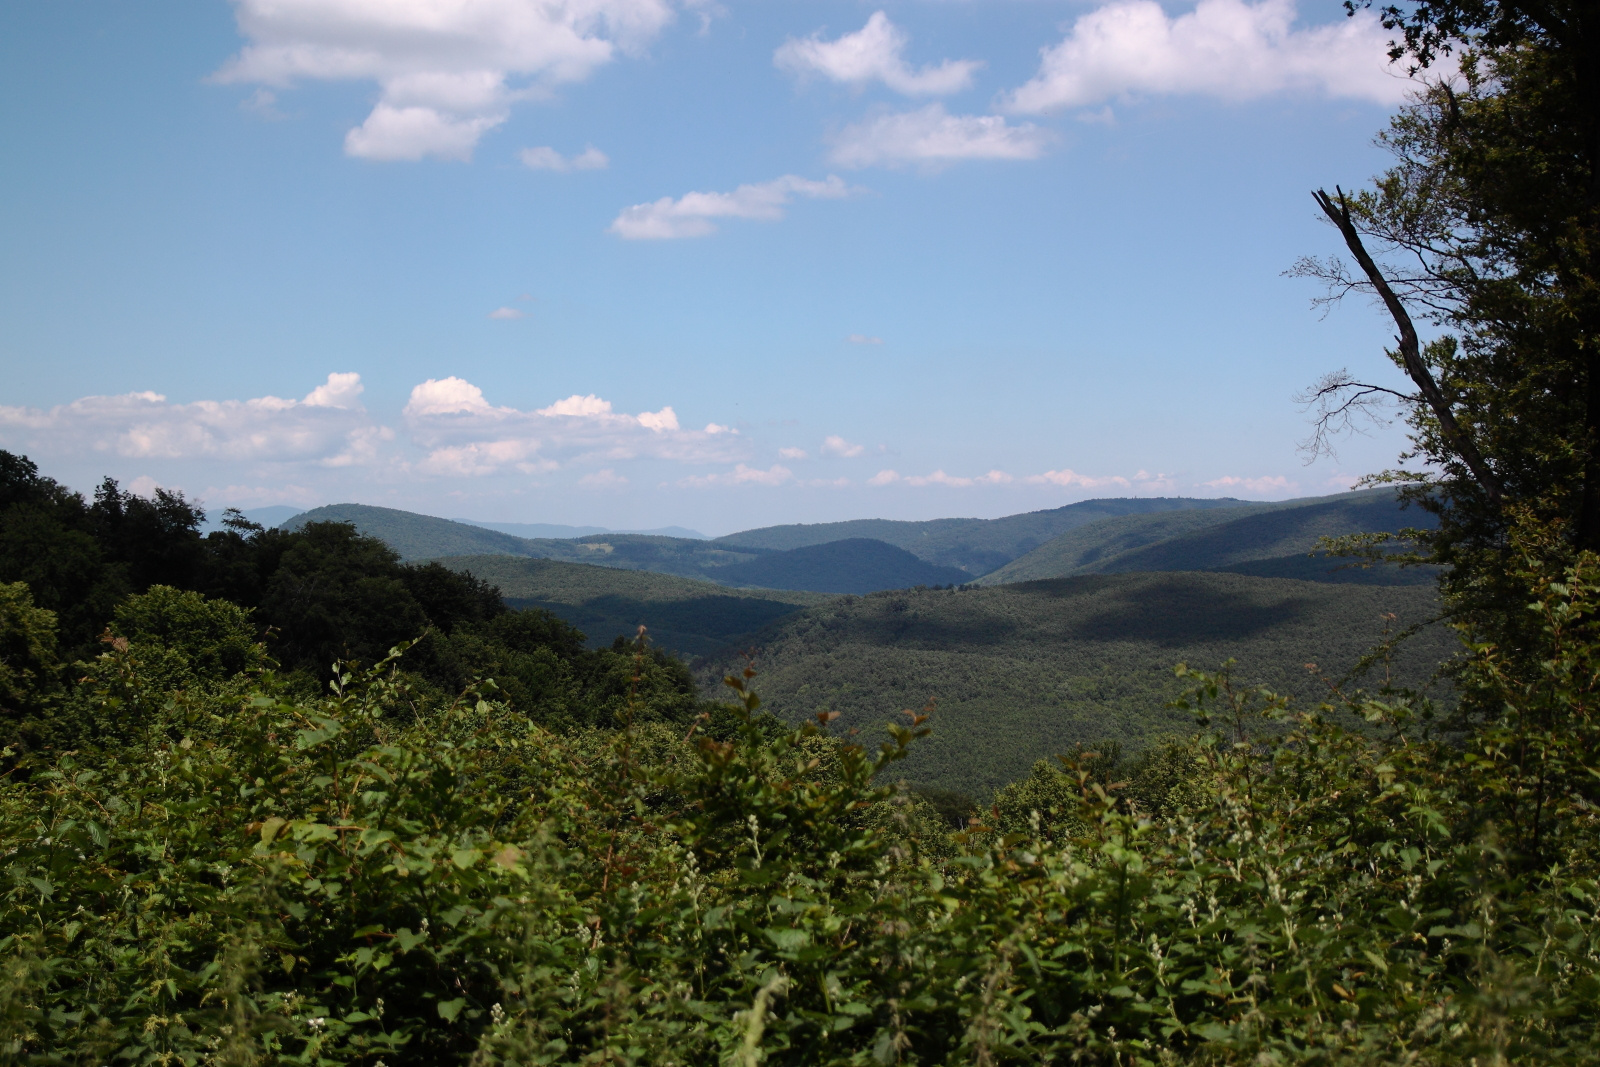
506,313
545,158
939,477
605,478
1223,48
876,52
1263,486
793,453
692,214
864,339
740,475
932,137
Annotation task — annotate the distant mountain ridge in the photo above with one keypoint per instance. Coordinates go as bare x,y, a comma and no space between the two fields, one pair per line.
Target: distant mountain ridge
1267,540
541,530
270,516
977,546
853,566
1095,537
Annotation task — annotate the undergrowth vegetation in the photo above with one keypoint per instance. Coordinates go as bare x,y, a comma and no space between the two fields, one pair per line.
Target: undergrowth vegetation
251,876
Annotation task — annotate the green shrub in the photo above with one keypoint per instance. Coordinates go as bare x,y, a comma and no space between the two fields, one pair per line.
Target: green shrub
361,878
30,674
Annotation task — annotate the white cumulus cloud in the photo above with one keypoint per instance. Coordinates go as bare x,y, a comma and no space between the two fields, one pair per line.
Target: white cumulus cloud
834,445
327,427
933,137
1068,478
691,215
545,158
506,314
1223,48
447,70
464,434
339,391
876,52
793,453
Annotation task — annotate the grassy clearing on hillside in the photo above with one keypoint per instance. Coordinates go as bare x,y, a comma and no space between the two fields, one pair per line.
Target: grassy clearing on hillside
691,617
1024,671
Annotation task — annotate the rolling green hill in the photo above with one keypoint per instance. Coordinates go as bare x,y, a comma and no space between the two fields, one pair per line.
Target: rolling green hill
420,536
976,546
1271,540
1026,670
854,565
690,617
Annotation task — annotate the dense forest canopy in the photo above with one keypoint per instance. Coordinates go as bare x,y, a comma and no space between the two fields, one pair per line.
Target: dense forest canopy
279,798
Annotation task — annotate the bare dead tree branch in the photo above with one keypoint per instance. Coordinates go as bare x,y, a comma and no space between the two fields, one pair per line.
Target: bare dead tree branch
1410,354
1342,405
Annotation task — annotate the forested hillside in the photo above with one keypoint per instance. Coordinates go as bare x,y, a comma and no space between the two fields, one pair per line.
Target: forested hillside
1273,540
298,599
854,565
685,616
1021,672
976,546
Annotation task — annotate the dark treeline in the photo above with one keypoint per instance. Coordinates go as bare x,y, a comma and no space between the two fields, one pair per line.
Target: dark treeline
317,595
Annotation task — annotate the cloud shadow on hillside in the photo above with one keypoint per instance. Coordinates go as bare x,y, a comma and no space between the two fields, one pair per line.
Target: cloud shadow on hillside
1183,614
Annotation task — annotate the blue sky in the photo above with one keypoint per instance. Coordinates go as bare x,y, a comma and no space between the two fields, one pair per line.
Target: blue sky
641,262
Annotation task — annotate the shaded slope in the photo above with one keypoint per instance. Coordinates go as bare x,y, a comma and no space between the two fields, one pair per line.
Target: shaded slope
977,546
1023,671
854,565
683,615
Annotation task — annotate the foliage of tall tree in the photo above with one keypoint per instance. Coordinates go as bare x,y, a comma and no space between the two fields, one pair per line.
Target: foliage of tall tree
1488,228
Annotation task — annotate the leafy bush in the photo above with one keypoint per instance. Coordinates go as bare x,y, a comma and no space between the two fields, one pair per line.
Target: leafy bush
360,878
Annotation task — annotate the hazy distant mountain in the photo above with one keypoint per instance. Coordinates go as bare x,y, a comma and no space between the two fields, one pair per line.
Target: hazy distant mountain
551,529
429,537
977,546
270,517
536,529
